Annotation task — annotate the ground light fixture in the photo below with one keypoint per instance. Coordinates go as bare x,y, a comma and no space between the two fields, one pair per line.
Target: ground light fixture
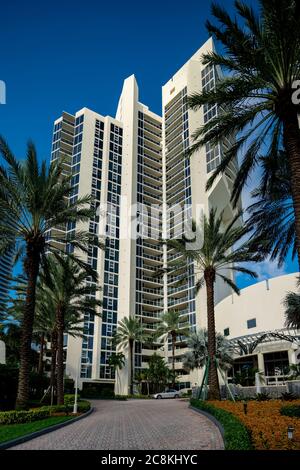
290,432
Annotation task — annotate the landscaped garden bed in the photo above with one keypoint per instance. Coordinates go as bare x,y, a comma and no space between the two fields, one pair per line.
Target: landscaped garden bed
16,424
266,423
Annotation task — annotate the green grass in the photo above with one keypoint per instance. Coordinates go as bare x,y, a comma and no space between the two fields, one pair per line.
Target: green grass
12,431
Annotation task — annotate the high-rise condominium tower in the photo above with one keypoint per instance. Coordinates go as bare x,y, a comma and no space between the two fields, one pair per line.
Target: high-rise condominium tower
136,169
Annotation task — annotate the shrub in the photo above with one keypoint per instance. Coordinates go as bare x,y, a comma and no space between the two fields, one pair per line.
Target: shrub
288,396
18,417
57,409
121,397
82,407
290,410
262,397
236,435
70,398
137,395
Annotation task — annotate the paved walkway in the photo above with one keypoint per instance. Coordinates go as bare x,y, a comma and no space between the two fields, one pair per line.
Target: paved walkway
132,425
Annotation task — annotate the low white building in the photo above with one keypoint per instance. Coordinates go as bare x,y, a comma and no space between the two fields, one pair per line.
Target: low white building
254,323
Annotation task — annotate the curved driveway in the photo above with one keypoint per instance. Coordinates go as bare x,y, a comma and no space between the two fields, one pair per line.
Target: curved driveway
132,425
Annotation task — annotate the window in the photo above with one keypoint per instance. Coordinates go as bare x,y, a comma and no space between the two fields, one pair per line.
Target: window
226,332
110,290
251,323
109,316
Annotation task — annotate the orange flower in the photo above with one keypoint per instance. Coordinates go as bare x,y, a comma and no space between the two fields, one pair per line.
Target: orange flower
267,426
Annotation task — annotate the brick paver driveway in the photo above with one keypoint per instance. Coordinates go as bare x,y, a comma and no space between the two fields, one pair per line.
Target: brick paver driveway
132,425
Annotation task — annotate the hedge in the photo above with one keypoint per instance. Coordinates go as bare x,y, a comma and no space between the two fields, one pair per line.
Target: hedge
236,435
290,410
18,417
82,407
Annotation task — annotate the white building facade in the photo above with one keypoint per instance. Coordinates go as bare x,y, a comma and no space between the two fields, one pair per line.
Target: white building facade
135,167
254,323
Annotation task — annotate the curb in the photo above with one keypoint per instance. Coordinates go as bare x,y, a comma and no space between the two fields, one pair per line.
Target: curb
211,418
33,435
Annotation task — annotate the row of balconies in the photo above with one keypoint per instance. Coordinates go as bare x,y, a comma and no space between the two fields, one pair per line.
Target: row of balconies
155,160
171,186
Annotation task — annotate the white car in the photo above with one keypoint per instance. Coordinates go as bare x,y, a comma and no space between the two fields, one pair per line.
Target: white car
167,394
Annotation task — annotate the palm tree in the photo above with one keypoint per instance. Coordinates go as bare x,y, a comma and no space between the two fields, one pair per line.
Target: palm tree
45,326
72,295
272,219
172,324
129,331
256,99
197,356
33,199
158,372
217,257
116,361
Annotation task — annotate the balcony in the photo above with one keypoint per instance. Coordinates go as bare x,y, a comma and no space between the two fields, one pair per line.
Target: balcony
152,247
147,290
172,301
173,290
152,280
178,184
179,196
154,160
151,257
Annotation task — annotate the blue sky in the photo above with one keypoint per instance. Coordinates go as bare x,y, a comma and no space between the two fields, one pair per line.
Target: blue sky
64,55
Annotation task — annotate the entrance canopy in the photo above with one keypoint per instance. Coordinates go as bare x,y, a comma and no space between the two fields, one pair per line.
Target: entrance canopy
245,345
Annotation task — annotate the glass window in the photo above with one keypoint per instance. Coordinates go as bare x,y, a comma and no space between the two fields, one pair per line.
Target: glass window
251,323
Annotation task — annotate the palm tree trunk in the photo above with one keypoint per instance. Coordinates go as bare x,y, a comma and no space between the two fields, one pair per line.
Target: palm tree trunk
213,380
53,359
31,267
60,356
291,136
131,359
41,356
173,358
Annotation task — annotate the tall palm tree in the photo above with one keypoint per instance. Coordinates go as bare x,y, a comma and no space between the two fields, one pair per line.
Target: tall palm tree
72,295
128,332
256,99
172,324
272,220
33,199
117,362
218,256
45,326
196,357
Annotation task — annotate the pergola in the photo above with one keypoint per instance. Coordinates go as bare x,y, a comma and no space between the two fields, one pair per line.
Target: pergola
246,345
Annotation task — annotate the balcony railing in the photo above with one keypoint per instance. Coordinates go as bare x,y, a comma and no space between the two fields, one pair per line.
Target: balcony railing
172,290
177,301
